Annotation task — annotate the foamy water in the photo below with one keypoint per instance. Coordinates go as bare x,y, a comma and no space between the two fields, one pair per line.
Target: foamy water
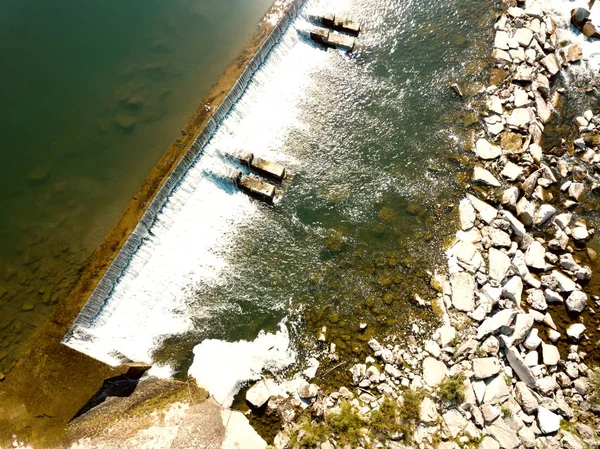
561,12
193,240
223,367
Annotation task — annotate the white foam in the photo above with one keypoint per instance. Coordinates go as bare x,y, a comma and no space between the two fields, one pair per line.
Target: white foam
223,367
192,243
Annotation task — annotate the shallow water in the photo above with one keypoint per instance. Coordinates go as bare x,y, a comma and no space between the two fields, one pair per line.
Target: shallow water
370,140
92,94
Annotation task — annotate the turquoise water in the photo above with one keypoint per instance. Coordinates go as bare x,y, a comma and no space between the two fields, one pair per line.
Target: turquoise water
92,94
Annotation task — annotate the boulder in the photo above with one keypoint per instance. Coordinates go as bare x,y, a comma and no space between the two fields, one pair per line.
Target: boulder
576,301
511,171
550,354
526,398
308,391
486,150
575,331
523,36
579,16
463,291
484,177
428,411
455,422
506,437
434,371
544,213
520,368
532,341
548,422
537,300
520,118
258,395
513,289
466,214
493,323
535,255
496,390
574,53
489,443
551,64
486,367
590,30
501,40
488,213
499,263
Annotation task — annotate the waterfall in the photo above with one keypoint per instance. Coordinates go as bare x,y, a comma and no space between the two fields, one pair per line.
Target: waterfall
79,330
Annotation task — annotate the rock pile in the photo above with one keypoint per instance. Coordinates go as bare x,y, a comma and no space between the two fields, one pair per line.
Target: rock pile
492,376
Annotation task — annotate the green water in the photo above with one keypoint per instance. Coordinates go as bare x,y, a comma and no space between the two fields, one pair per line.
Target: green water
92,94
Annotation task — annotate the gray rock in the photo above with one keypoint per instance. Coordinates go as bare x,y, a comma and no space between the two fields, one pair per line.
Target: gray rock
501,40
258,394
486,367
463,291
576,190
551,63
550,354
467,214
580,233
575,331
518,365
526,398
488,213
537,300
534,256
513,290
428,411
576,302
455,422
484,177
499,320
544,213
570,441
434,371
499,263
505,436
486,150
547,421
517,227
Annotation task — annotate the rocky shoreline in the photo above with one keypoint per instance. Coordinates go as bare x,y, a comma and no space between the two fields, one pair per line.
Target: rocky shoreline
492,375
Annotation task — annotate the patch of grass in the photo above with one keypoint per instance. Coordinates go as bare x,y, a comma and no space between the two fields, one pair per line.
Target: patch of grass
452,389
506,412
595,386
347,425
393,418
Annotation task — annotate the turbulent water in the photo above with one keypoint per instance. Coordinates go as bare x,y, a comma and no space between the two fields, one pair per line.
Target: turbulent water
369,139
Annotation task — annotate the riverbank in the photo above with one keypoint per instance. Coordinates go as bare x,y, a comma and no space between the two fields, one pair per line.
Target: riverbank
513,363
51,382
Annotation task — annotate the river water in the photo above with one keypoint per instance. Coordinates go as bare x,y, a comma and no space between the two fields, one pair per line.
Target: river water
375,143
92,94
370,140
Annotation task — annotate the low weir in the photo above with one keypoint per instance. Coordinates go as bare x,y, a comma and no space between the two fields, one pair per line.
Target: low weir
79,329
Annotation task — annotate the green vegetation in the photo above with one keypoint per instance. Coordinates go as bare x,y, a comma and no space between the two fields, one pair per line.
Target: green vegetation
506,412
452,389
595,386
348,427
